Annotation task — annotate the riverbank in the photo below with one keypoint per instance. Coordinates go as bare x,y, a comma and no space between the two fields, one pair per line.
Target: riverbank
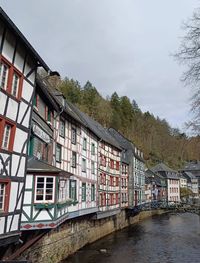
170,237
65,240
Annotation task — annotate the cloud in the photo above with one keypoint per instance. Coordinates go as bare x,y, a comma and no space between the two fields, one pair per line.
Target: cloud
121,46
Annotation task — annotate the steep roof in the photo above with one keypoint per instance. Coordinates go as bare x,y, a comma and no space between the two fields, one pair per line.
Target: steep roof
165,171
97,128
189,175
125,143
192,166
161,167
25,42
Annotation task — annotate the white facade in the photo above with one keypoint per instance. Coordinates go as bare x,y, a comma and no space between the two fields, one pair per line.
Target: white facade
17,84
78,157
173,190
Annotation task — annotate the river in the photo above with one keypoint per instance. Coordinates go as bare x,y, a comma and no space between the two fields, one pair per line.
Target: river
167,238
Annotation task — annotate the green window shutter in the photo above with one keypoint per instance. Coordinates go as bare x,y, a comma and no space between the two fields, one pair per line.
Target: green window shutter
30,146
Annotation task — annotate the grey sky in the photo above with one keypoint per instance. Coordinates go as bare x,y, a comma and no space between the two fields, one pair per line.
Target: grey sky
119,45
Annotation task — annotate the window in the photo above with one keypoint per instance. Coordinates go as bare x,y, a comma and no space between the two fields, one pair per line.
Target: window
84,144
92,192
117,165
41,107
4,195
62,128
10,78
117,181
73,135
83,165
72,189
83,192
4,70
111,164
74,159
58,152
93,149
93,167
45,188
103,160
102,199
62,190
6,136
15,84
49,115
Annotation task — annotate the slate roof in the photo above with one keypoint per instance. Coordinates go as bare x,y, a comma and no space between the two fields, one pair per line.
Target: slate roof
97,128
165,171
25,42
47,92
161,167
189,175
192,166
35,165
125,144
153,177
59,98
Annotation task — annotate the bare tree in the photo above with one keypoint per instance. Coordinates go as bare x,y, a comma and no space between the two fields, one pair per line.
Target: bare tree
189,54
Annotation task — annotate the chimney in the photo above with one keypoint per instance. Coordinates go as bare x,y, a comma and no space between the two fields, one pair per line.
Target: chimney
54,79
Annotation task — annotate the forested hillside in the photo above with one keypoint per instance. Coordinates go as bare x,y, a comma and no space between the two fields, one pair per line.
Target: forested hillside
152,135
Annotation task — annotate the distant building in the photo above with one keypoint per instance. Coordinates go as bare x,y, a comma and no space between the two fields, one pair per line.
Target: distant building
156,184
172,181
192,183
194,168
136,175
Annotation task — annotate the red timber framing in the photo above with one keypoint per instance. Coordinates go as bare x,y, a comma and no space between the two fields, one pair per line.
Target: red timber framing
10,80
18,66
11,136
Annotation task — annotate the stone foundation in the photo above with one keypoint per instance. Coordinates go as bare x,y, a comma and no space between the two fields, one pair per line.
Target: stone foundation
73,235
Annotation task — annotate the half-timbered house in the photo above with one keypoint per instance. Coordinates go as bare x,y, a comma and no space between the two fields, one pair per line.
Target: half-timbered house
139,177
18,66
109,169
62,174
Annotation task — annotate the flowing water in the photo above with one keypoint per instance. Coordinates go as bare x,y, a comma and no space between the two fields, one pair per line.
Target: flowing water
166,238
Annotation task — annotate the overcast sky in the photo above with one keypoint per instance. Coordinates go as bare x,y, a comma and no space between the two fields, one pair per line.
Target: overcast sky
119,45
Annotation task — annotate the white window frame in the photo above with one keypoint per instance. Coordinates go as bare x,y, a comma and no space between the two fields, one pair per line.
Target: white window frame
62,128
74,156
45,188
3,195
63,190
93,149
84,166
60,155
2,67
13,91
74,135
92,167
6,136
83,192
84,144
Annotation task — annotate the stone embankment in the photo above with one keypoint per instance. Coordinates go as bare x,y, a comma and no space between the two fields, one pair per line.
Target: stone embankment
73,235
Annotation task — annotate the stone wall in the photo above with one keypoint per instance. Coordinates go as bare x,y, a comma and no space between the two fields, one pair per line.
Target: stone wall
73,235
